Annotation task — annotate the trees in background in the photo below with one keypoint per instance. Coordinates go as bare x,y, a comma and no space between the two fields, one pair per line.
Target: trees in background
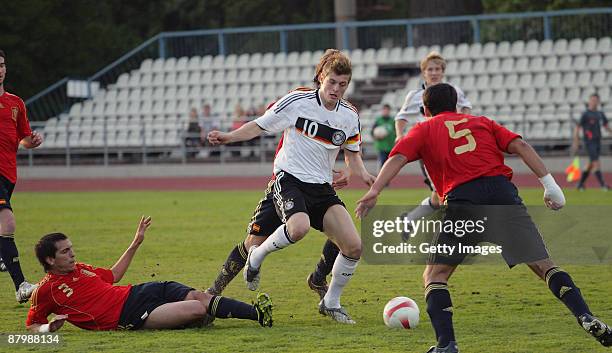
47,40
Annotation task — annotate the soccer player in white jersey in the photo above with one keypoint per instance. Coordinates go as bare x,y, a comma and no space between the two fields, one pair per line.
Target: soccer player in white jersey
316,124
433,67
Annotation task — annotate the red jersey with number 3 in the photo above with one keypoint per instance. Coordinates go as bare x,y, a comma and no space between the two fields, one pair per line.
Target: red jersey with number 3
14,126
457,148
86,295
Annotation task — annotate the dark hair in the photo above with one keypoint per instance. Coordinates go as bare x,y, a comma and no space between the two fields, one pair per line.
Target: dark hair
595,95
387,106
439,98
2,54
46,248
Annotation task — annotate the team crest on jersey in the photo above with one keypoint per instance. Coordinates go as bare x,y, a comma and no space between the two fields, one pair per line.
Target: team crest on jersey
88,273
289,205
338,137
14,111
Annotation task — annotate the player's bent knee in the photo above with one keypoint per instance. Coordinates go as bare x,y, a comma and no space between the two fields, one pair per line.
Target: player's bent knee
199,311
253,240
197,295
7,222
352,250
298,230
541,267
436,274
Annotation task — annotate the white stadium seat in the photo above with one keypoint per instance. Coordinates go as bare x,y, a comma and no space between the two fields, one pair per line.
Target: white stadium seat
475,50
549,78
560,47
503,49
243,61
575,46
448,51
280,60
369,56
605,45
532,47
546,48
170,64
579,63
518,48
462,51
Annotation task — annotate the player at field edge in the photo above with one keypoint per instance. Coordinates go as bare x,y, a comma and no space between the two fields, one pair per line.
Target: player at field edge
14,131
467,167
316,124
590,124
433,68
86,297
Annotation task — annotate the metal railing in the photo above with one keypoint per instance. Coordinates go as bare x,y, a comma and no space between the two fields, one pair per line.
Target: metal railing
142,149
576,23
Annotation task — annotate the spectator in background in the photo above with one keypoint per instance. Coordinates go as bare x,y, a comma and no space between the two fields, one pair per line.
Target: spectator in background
261,110
590,123
239,118
208,122
193,133
383,133
251,113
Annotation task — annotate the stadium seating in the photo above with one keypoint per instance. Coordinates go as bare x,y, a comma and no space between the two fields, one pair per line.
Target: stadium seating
536,87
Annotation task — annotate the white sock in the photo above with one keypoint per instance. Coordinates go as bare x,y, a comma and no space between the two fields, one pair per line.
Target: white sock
276,241
421,211
343,270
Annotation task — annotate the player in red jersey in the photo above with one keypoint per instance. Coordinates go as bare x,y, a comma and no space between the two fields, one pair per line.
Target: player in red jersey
466,165
14,131
86,297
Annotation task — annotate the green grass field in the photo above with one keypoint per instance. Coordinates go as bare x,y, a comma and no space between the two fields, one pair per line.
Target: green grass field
496,309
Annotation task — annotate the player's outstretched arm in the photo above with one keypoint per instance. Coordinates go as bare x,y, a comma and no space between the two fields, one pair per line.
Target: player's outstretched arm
553,195
389,170
121,266
355,163
246,132
32,141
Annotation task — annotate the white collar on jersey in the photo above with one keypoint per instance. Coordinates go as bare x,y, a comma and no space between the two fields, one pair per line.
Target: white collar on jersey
321,104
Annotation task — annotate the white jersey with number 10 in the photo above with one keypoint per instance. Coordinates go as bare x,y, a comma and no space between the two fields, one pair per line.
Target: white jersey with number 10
312,135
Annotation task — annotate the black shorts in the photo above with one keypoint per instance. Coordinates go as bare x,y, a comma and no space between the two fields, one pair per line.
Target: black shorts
494,201
6,191
144,298
593,148
285,196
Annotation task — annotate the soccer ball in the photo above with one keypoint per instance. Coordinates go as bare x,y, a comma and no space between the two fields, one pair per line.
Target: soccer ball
380,132
401,312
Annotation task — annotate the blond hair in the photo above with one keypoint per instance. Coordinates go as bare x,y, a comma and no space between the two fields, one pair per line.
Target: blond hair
333,60
436,58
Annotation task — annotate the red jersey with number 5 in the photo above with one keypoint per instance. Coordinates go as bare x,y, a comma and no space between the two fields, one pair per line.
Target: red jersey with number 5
86,295
457,148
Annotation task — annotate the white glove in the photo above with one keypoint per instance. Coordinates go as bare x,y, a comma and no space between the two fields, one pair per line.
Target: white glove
553,195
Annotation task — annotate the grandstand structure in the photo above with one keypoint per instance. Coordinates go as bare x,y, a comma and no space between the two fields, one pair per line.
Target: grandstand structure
534,87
